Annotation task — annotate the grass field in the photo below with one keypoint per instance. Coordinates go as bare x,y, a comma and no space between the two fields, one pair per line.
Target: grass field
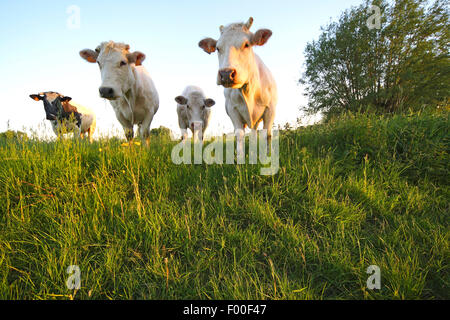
351,193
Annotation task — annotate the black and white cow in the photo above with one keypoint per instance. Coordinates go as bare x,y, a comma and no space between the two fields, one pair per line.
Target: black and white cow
65,115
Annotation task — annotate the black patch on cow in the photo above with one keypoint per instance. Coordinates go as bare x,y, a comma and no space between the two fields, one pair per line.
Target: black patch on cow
54,111
63,115
51,111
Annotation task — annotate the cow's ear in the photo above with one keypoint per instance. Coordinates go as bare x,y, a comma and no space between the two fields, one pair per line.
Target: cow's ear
136,57
181,100
35,97
260,37
208,45
65,99
209,103
89,55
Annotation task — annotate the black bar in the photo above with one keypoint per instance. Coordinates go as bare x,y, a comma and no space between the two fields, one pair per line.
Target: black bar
230,309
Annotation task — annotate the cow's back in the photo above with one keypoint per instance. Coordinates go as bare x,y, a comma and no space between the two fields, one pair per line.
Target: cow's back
81,109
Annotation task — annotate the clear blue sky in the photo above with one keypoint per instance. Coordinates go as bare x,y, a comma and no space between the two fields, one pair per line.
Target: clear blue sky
40,53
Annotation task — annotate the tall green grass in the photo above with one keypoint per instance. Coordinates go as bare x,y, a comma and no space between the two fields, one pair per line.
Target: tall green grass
354,192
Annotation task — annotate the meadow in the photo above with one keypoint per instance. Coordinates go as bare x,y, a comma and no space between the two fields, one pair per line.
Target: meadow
353,192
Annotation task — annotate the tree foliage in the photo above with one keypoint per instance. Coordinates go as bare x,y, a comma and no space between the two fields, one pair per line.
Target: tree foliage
402,65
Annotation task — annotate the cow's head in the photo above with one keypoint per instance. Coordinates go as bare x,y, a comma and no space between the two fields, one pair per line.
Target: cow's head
195,106
52,103
115,62
235,51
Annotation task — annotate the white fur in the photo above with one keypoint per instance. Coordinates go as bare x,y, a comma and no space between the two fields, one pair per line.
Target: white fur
136,100
196,114
253,97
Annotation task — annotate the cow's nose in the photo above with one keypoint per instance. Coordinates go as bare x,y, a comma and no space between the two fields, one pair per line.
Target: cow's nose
227,75
106,92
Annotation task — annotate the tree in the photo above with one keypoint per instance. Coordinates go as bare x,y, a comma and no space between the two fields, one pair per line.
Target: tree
402,65
162,132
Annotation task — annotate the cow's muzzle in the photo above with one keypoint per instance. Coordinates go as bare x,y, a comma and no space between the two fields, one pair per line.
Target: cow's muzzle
227,77
196,125
107,93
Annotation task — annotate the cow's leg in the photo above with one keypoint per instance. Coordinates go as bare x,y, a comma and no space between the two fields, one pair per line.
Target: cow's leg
183,128
63,130
77,133
127,125
127,128
129,133
239,131
144,134
197,132
91,131
60,133
268,118
203,133
89,134
240,139
184,134
144,128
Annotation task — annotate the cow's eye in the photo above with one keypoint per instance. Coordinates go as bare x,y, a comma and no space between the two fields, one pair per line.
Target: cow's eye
187,106
247,45
99,64
123,63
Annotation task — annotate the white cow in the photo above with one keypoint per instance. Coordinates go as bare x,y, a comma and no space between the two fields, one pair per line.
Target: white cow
194,111
250,90
127,85
66,115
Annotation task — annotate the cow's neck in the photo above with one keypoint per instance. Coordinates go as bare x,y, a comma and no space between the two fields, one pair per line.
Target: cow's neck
251,91
131,93
128,104
129,97
252,88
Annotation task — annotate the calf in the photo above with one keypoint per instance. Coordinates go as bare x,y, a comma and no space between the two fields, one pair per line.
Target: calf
127,85
250,90
65,115
194,111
